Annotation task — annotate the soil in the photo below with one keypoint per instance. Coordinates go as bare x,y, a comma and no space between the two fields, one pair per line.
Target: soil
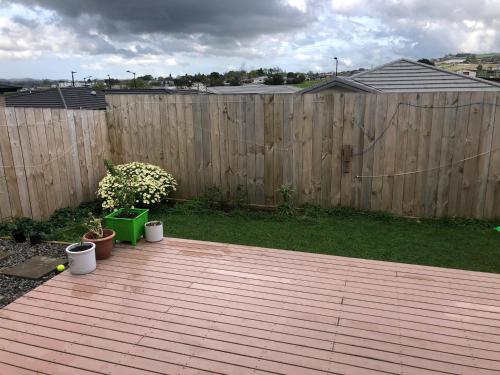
79,248
153,223
12,287
127,215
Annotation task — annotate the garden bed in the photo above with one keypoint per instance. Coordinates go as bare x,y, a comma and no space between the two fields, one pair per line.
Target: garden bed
12,287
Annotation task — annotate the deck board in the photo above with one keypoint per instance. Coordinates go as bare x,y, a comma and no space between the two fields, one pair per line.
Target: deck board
192,307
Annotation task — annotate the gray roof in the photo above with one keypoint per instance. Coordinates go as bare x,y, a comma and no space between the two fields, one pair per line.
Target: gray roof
253,89
64,97
8,88
405,75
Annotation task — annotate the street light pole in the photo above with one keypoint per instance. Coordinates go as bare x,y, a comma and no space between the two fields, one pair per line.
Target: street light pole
135,83
73,78
336,65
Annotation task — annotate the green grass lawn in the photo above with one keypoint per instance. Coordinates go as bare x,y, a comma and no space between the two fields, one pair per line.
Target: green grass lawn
471,245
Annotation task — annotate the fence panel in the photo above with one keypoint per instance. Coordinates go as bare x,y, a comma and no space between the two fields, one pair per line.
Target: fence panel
45,162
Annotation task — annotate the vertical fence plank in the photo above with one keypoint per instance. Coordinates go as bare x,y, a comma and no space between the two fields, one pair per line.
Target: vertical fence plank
296,146
5,210
193,141
483,162
346,150
389,144
401,141
207,143
269,149
434,154
447,147
462,121
414,118
337,134
251,147
259,149
381,125
471,149
318,124
325,115
215,140
278,146
357,148
423,152
492,195
367,152
46,169
307,148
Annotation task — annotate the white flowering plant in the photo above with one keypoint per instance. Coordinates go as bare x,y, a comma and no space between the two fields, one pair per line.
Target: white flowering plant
134,184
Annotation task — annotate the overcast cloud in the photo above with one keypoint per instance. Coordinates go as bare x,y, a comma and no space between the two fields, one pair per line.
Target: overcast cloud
49,38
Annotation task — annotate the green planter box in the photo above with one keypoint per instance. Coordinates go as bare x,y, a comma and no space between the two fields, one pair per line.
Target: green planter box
127,229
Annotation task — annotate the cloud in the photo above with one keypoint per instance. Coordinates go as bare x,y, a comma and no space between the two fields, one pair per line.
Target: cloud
182,36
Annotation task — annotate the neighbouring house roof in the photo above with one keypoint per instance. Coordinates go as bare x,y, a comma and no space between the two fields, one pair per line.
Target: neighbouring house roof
8,88
405,75
253,89
64,97
154,91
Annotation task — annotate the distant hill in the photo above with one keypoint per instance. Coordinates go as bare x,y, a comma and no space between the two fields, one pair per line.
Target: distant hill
471,58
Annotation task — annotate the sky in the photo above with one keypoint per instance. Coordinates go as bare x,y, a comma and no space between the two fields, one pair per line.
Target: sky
50,38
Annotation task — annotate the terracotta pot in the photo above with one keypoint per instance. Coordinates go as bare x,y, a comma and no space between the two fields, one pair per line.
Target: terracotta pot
103,246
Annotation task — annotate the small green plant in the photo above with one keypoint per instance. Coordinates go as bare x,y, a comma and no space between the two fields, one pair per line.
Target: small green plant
240,197
94,226
286,207
217,199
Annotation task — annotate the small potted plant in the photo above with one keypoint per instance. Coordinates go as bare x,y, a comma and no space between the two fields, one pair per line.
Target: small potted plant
81,258
128,222
35,238
18,235
101,237
154,231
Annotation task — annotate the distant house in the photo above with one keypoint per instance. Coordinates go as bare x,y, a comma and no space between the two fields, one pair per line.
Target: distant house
404,75
259,80
467,72
61,97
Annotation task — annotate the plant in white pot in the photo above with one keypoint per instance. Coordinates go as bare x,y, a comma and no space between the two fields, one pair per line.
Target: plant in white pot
154,231
81,258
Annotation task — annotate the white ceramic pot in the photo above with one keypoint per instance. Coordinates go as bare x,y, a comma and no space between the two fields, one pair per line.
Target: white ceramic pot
81,262
154,233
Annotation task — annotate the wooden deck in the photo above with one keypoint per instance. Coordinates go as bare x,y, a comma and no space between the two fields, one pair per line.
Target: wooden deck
190,307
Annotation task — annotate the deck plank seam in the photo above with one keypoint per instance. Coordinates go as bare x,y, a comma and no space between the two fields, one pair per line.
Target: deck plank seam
397,311
310,278
160,329
369,315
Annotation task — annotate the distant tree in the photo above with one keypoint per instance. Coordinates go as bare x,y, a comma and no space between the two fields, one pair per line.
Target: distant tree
99,85
183,81
147,77
275,79
291,75
215,79
426,61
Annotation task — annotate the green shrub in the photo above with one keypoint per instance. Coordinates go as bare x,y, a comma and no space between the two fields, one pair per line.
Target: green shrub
148,183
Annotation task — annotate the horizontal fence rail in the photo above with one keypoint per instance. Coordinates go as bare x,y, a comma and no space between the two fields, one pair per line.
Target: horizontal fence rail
414,154
49,159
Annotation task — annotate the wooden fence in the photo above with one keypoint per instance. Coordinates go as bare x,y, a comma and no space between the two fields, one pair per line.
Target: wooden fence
411,154
49,159
432,154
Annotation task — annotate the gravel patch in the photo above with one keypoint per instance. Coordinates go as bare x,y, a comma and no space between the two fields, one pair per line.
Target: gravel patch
12,287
